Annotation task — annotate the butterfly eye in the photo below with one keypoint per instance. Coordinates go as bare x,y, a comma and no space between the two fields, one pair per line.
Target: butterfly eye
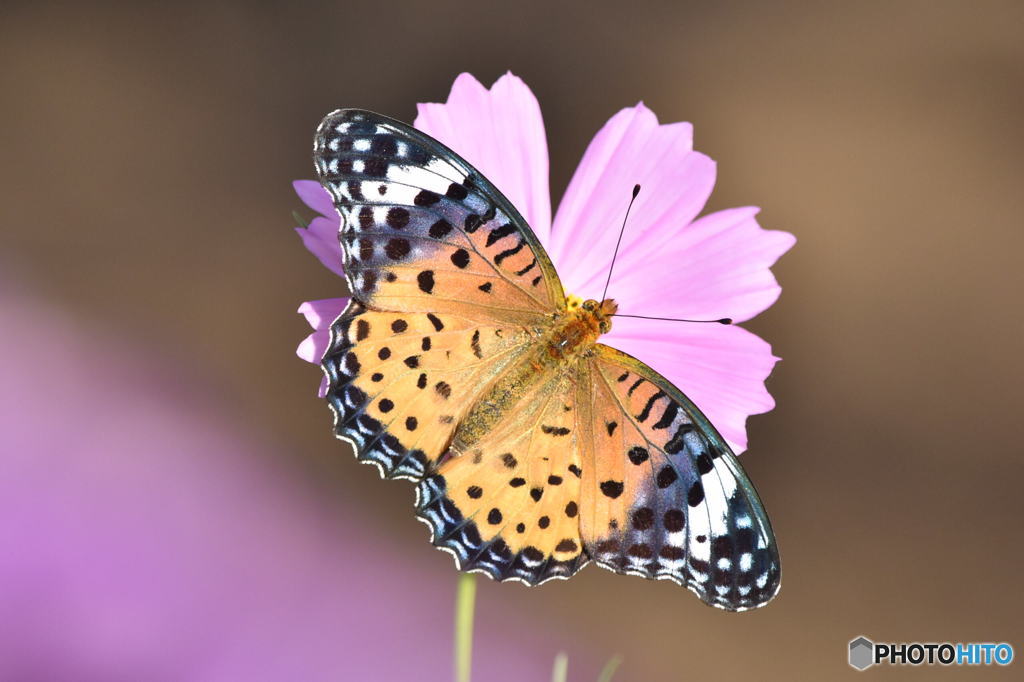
590,305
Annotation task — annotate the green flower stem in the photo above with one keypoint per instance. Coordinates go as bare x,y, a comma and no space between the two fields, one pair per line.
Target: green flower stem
609,669
465,599
561,670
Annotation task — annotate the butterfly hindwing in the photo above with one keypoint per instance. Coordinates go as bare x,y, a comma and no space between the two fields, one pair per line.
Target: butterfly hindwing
401,382
508,503
424,231
665,497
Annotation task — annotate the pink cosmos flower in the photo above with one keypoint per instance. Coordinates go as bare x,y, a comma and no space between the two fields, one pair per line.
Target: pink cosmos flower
670,263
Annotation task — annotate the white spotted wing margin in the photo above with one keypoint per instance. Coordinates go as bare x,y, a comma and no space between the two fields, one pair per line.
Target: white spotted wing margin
452,532
675,504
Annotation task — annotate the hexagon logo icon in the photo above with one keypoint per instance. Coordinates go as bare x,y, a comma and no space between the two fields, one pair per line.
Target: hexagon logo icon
862,653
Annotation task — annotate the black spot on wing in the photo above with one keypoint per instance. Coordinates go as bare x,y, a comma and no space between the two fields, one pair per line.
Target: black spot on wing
436,321
440,229
676,444
507,253
668,416
520,273
397,249
646,412
425,279
426,198
398,217
457,192
475,344
499,233
638,455
611,489
666,476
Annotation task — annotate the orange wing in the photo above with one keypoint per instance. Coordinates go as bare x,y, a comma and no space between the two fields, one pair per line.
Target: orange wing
605,460
448,284
662,494
425,232
401,383
508,504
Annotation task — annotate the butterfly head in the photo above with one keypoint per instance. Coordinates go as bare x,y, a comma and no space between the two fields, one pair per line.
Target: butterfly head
600,313
578,331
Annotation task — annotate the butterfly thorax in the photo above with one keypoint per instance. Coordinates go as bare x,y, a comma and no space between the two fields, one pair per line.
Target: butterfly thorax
571,336
576,330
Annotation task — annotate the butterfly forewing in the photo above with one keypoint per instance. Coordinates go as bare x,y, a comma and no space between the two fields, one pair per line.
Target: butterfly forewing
446,279
664,496
424,231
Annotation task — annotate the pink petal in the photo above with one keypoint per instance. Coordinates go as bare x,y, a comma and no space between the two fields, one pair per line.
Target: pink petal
311,349
632,148
717,267
321,239
501,132
720,368
322,313
315,196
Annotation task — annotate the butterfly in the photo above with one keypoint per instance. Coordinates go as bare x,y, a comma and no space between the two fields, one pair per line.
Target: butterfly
460,363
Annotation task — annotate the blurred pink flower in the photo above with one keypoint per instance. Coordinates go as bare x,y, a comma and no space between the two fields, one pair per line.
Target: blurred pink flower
145,538
670,263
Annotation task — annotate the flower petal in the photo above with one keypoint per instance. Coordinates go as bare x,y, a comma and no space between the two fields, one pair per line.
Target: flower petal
717,267
312,348
322,313
632,148
315,196
321,239
501,132
720,368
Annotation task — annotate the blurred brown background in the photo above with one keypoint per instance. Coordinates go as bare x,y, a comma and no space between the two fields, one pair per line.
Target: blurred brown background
145,186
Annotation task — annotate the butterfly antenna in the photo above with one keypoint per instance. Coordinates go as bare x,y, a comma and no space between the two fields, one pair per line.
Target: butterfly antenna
724,320
636,190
